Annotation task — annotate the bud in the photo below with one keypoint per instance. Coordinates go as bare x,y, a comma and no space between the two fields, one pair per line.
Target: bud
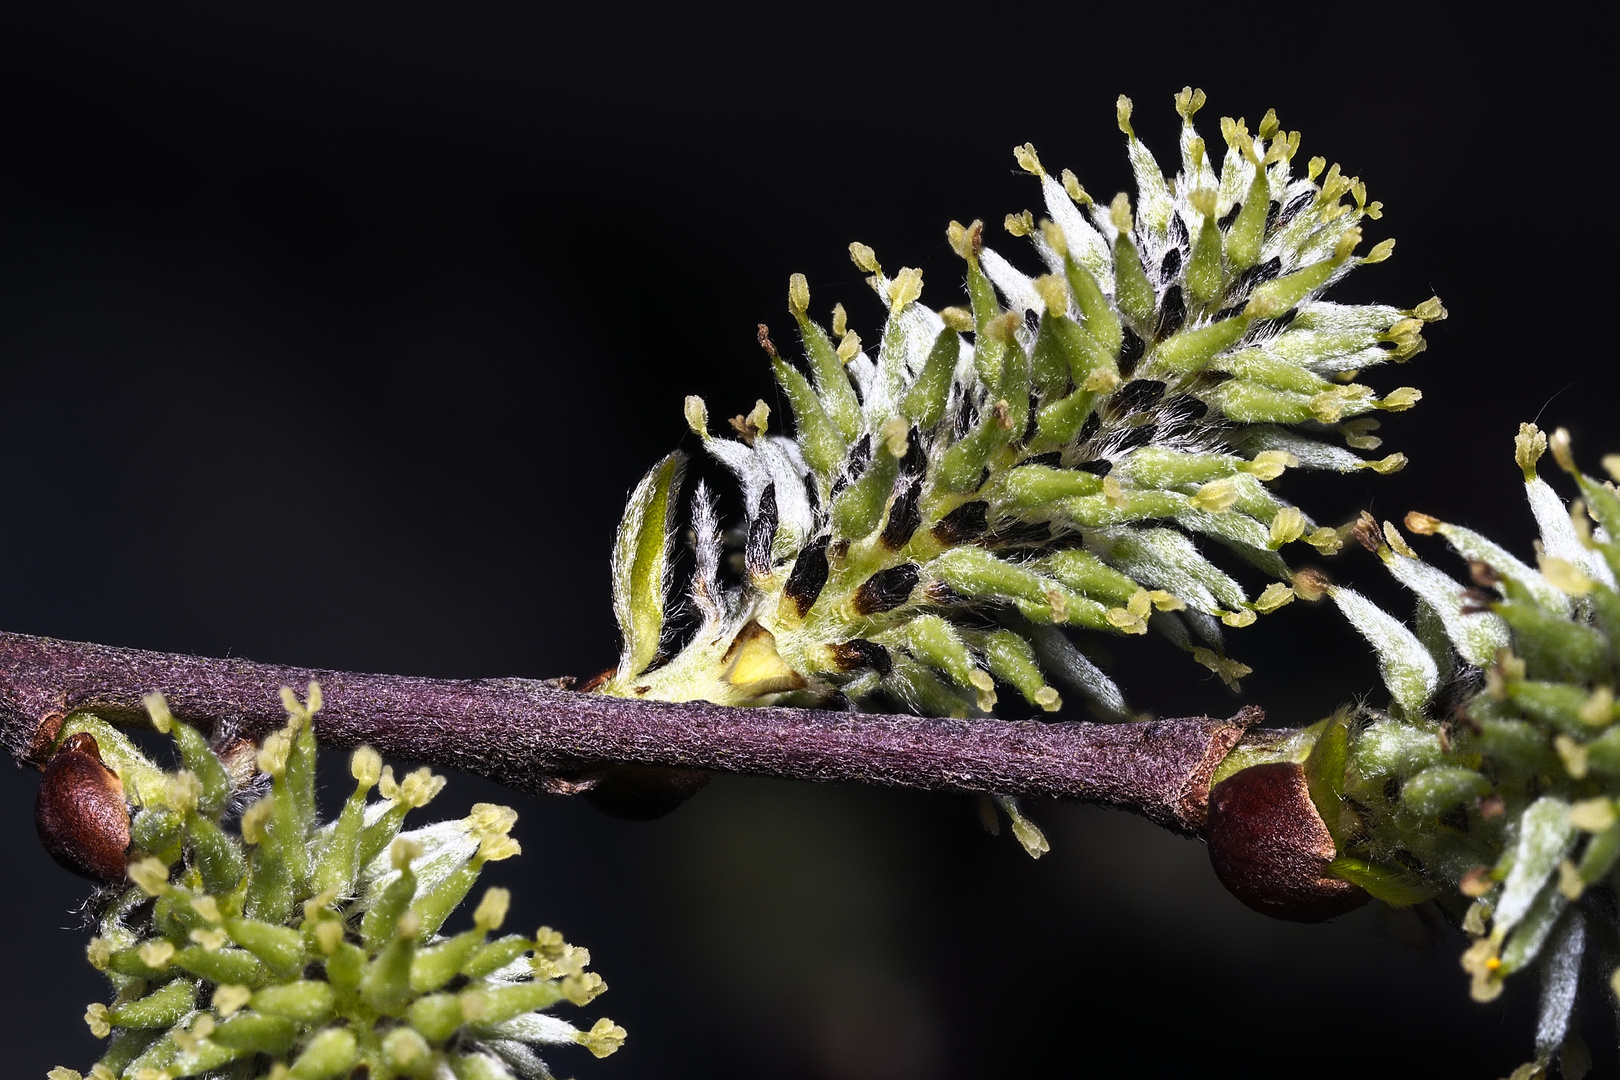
81,813
1270,847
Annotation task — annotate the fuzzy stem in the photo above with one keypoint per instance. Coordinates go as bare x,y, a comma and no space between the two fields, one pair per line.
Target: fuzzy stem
524,733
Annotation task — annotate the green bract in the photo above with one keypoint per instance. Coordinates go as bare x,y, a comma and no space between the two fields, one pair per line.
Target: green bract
298,951
1065,450
1492,782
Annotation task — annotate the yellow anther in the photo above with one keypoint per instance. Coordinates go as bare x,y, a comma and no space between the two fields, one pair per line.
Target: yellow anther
1119,212
905,288
1071,185
1028,160
798,294
1188,101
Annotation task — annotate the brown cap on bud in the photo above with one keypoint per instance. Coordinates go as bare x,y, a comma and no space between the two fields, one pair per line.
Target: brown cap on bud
1270,847
81,814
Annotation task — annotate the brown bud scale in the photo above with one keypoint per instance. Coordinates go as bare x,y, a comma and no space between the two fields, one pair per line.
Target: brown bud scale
81,813
1270,847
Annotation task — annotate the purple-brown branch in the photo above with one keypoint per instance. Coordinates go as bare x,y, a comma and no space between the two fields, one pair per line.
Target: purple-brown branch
525,733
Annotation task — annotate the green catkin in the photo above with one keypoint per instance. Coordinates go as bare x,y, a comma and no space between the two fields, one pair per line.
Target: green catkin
1507,806
1043,440
202,982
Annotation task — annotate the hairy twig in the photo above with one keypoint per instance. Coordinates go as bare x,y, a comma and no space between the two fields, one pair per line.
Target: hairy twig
526,733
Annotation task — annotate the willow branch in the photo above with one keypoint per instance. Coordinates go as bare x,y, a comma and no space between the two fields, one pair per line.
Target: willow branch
523,733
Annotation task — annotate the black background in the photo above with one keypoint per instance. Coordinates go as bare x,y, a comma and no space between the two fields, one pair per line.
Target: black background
336,336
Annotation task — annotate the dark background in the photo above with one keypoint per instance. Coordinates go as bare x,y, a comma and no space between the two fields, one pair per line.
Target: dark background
335,337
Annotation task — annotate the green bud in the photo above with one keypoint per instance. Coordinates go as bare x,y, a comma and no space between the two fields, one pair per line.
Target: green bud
270,883
434,905
406,1052
304,1000
1204,277
1058,423
436,1016
256,1033
205,765
1188,352
1601,854
924,403
126,1045
1278,295
375,837
1096,511
329,1055
216,856
158,830
1248,231
346,966
222,966
1554,647
386,984
493,956
819,439
300,775
336,863
987,356
1162,467
1085,573
1011,659
1253,403
1065,351
1015,388
381,919
973,571
280,947
1261,365
436,965
478,1067
1558,704
963,464
504,1002
1134,291
1030,486
1435,790
934,642
832,384
1532,931
161,1008
1101,321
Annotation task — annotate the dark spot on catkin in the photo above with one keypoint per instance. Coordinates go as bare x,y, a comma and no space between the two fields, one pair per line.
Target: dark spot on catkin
809,576
1131,349
853,655
965,523
904,516
886,589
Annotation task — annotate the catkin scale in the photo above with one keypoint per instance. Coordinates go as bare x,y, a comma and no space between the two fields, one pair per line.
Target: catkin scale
81,813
